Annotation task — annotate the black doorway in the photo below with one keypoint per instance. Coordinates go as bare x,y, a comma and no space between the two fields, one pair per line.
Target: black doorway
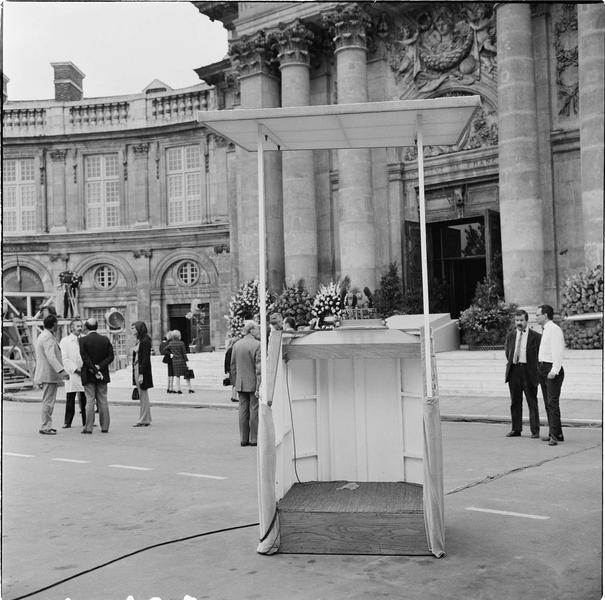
459,259
178,320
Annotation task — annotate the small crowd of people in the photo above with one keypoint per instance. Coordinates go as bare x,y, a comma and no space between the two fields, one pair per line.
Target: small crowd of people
534,359
82,360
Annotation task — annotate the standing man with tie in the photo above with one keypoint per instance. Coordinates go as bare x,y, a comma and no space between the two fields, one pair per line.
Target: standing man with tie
550,371
521,349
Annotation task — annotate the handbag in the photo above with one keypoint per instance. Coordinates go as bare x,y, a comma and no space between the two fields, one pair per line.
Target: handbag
227,380
167,357
135,393
190,374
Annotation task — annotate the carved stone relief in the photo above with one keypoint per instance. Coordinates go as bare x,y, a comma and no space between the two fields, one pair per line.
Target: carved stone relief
483,132
566,55
444,43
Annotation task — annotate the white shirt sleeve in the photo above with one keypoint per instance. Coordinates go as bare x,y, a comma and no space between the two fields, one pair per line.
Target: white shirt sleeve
557,347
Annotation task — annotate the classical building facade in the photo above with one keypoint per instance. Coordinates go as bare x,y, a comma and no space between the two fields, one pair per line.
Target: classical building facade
129,193
521,196
156,213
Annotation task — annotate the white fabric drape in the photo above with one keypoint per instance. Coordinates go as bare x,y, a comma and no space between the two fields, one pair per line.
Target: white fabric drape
432,491
267,506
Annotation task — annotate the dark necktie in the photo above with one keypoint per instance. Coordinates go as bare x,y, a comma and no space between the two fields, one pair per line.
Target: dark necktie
518,348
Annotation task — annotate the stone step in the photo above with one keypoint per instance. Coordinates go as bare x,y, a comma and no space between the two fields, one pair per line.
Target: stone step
459,372
475,373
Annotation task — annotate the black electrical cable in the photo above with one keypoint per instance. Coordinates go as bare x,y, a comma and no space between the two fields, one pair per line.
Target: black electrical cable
109,562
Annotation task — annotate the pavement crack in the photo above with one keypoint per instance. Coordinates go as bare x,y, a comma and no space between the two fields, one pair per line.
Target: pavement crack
492,477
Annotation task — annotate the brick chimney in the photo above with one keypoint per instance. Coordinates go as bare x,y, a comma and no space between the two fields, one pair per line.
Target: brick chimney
68,82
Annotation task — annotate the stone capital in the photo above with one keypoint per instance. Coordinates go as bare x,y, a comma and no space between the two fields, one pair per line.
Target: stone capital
142,252
348,25
292,43
62,256
140,149
252,55
58,155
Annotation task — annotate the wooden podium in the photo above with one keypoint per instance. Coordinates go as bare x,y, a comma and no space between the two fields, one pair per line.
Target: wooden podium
350,441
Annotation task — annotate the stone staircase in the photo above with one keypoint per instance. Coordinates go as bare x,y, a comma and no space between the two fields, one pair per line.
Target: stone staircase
481,373
460,373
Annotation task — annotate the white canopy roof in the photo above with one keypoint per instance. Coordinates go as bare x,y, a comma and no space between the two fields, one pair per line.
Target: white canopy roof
363,125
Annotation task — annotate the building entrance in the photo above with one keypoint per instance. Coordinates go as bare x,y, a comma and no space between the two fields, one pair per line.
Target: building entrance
178,320
195,332
462,253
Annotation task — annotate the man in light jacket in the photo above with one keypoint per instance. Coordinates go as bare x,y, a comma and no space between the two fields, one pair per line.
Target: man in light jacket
72,361
245,375
49,371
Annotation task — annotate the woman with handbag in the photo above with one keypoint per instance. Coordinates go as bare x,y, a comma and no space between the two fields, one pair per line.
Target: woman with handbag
141,371
179,359
167,360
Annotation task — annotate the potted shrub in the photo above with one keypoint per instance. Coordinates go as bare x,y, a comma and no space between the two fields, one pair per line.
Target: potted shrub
485,323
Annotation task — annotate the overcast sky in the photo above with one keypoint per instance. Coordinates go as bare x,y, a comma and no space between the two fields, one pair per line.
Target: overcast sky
120,46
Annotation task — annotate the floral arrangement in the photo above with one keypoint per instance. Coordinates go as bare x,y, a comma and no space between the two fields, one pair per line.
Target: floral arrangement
70,278
583,294
294,301
488,319
242,307
327,306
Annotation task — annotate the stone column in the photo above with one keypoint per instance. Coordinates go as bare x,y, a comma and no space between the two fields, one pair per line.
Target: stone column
142,268
591,36
298,178
140,183
520,202
56,213
259,88
356,214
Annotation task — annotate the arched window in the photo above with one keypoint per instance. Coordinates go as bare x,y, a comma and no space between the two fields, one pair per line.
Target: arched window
188,273
105,277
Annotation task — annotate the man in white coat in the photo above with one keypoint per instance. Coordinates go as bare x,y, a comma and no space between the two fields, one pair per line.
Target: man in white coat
49,371
72,361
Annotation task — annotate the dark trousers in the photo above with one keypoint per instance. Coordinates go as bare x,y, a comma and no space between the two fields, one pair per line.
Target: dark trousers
519,383
248,417
70,406
551,391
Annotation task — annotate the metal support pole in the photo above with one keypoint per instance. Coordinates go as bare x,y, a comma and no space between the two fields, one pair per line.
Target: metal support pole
428,367
262,261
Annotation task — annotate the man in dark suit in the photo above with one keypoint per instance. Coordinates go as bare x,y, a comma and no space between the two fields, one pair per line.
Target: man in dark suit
245,375
97,355
521,348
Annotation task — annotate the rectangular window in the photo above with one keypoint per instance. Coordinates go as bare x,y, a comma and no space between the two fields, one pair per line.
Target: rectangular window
19,196
102,189
184,185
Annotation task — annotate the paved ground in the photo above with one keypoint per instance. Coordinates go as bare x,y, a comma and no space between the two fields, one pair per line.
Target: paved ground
453,408
73,503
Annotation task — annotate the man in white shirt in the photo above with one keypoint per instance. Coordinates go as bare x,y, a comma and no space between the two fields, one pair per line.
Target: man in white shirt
521,349
550,371
72,361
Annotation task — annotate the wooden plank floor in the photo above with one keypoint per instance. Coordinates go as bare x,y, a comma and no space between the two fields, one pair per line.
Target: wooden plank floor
374,518
370,496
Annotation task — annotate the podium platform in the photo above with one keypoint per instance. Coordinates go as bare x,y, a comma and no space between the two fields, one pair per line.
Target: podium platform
357,466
